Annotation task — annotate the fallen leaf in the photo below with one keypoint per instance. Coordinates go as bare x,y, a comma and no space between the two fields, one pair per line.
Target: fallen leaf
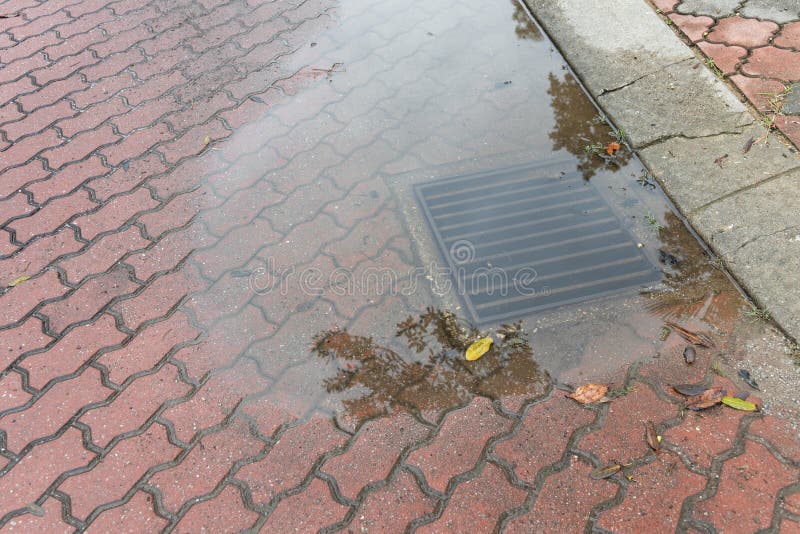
697,338
749,144
612,147
720,159
206,140
19,281
739,404
479,348
589,393
689,354
653,439
605,472
706,399
744,374
689,389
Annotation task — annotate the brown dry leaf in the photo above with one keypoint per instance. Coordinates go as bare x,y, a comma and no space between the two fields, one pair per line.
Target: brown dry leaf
612,147
697,338
653,439
589,393
706,399
605,472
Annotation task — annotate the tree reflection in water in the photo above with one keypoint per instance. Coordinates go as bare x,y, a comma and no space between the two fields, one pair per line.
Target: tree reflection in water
576,126
431,374
525,28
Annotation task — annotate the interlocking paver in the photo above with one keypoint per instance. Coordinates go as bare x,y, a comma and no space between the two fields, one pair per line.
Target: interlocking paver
660,488
149,347
50,520
373,453
565,501
21,299
13,393
205,515
290,459
111,479
136,515
393,507
206,465
68,179
319,510
747,488
476,505
67,354
102,254
215,399
33,258
131,408
457,447
53,409
158,157
548,423
23,338
38,469
86,301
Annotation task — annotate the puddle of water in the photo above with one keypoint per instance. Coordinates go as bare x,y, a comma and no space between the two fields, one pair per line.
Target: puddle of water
394,93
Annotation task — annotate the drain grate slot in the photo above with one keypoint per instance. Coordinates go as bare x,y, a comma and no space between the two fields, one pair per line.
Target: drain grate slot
528,238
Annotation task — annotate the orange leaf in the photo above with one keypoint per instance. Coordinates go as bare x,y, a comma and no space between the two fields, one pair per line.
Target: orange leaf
612,147
706,399
589,393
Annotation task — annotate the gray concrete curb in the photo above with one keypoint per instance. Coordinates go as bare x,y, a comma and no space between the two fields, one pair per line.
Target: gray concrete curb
682,121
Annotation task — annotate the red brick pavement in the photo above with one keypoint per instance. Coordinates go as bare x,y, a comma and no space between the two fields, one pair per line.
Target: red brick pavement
759,56
154,155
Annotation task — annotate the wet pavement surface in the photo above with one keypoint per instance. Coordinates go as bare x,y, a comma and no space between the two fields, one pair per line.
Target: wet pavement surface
223,307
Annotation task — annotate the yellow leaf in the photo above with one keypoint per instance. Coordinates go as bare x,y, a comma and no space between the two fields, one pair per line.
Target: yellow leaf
206,141
479,348
19,281
739,404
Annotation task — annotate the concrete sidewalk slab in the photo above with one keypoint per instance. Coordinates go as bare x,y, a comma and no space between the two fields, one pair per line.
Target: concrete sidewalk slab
680,100
696,171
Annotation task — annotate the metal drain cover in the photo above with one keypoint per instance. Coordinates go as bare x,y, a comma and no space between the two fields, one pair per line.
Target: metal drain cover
530,237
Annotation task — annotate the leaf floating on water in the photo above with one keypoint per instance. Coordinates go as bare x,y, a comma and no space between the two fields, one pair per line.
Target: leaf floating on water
612,147
707,399
605,472
744,374
479,348
739,404
689,389
697,338
19,281
653,439
589,393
